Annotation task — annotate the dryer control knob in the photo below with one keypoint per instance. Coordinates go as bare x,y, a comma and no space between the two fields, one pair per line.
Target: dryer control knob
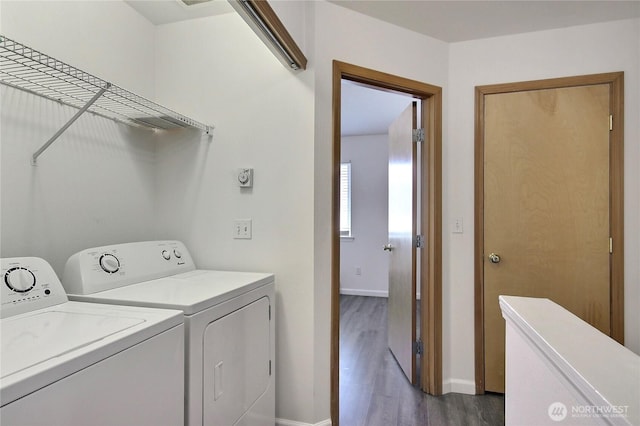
20,279
166,254
109,263
177,253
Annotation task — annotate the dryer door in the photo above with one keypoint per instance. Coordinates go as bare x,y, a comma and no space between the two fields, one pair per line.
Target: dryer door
236,363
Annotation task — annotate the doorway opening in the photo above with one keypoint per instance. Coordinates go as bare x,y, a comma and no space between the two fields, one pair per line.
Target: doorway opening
367,114
377,327
429,221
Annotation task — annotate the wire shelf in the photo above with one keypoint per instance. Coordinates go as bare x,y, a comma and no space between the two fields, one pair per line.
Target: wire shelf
30,70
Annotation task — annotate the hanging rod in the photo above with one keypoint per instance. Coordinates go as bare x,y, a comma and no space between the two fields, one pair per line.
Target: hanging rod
265,23
27,69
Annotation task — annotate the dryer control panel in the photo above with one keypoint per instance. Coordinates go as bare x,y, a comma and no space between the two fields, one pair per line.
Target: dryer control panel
29,283
108,267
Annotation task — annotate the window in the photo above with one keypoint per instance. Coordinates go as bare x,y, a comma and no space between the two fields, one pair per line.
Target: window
345,199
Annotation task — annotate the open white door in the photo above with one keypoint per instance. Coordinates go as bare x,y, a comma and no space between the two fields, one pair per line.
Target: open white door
401,247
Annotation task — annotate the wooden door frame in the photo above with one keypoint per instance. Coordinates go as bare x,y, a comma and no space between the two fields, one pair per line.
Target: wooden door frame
430,279
615,81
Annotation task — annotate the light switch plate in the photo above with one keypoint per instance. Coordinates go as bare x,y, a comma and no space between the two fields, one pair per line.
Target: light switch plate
458,227
242,229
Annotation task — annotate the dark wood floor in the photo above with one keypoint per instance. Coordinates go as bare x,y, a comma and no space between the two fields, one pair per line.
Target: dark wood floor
373,389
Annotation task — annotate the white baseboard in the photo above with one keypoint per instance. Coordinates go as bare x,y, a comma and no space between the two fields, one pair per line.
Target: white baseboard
360,292
459,386
370,293
285,422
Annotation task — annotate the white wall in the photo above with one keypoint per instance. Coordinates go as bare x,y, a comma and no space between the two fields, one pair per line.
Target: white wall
598,48
216,69
95,185
293,14
369,157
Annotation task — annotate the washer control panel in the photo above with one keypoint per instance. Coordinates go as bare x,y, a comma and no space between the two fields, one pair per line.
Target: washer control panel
29,283
104,268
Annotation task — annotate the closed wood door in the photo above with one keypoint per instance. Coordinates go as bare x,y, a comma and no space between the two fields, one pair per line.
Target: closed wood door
401,248
546,207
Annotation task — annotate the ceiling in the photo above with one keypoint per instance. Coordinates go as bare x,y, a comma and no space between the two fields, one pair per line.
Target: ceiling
450,21
160,12
369,111
453,21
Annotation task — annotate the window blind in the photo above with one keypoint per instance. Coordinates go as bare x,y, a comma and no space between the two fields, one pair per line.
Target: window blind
345,199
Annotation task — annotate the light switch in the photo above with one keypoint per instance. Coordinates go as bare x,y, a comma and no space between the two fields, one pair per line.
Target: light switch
458,227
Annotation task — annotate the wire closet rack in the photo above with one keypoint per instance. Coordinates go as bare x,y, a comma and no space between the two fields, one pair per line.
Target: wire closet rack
27,69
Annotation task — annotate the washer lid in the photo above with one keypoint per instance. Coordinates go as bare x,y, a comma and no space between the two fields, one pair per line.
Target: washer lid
190,292
32,339
41,347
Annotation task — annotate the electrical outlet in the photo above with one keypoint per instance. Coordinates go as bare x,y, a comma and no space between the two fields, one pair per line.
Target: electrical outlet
242,229
358,270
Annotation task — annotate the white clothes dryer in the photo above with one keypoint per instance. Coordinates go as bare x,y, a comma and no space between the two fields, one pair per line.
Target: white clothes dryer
77,364
229,319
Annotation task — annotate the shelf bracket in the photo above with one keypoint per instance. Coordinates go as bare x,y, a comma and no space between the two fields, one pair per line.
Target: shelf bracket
82,110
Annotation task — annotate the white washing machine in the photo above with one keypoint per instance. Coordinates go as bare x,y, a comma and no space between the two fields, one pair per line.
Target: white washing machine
77,364
229,321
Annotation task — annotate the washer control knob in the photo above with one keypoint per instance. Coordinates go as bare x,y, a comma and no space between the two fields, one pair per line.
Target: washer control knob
166,254
177,253
20,279
109,263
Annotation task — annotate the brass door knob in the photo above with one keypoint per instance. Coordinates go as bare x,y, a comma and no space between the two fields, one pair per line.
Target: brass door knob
494,258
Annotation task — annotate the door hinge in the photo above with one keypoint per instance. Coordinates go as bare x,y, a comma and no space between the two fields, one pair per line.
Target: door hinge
610,245
418,347
269,367
610,122
418,135
419,241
